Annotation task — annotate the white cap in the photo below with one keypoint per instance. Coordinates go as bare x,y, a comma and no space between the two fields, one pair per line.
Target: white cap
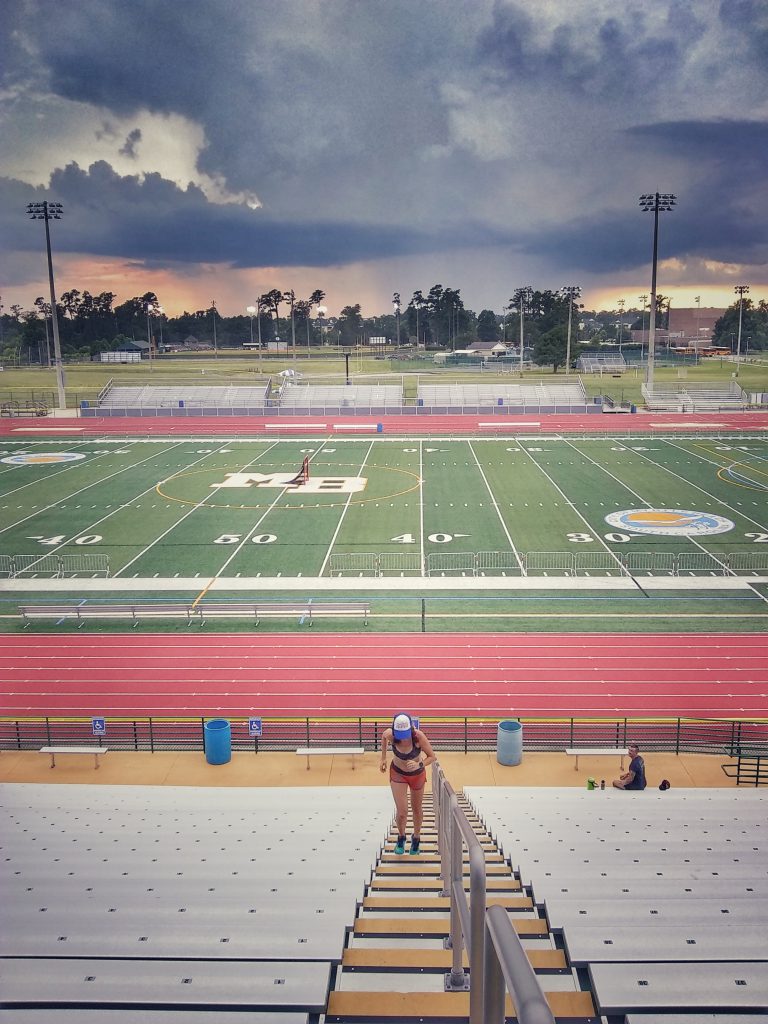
401,727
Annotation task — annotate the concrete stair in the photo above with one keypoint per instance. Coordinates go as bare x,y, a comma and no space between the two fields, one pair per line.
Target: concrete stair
395,963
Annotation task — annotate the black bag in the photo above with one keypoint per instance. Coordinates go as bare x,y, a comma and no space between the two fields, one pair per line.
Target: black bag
664,784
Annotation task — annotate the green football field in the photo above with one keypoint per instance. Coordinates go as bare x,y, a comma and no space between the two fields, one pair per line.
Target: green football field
217,509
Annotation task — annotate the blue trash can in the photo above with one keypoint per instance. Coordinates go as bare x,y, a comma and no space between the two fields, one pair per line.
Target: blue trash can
218,741
509,742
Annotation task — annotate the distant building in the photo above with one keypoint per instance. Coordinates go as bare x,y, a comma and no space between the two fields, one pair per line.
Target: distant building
694,324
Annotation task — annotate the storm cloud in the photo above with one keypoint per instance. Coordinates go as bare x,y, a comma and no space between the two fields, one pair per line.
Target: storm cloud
337,132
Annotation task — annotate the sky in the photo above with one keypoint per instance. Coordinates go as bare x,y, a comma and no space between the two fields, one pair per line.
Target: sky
216,149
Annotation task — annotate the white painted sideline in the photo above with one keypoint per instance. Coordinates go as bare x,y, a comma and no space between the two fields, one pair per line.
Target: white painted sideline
370,584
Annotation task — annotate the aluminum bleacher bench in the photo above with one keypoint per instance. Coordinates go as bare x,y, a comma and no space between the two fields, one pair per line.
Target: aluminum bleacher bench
329,751
53,751
578,752
306,611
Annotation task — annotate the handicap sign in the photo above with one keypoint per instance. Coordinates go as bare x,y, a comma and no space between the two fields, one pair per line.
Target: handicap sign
415,722
99,726
254,727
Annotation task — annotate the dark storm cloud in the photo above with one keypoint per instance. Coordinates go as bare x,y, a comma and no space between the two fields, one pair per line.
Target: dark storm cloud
293,98
622,54
129,146
152,220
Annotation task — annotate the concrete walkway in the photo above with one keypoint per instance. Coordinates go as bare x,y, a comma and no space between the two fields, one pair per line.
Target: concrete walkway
177,768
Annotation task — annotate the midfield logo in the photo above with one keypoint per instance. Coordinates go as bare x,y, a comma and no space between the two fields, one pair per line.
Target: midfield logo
288,482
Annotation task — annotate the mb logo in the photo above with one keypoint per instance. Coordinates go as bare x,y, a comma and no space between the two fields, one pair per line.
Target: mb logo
299,485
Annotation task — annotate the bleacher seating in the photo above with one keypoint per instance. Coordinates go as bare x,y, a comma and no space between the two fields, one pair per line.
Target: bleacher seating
531,394
688,396
193,396
661,896
341,396
113,894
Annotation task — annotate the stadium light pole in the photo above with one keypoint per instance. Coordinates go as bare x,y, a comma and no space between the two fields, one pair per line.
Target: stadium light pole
46,212
741,290
215,345
250,310
620,303
524,295
150,309
656,203
573,291
643,300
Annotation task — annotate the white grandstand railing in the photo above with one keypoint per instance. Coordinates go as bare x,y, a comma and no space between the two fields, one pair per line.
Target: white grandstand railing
562,563
86,563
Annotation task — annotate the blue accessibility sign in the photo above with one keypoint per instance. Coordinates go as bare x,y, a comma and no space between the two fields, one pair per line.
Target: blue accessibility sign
254,727
99,726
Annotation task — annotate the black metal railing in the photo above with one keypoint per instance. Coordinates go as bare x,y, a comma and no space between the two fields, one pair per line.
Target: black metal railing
675,735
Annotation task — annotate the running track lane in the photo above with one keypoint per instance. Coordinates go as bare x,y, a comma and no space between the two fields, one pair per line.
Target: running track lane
408,425
532,675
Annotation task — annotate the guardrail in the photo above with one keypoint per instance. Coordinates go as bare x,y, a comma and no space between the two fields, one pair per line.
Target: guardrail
464,734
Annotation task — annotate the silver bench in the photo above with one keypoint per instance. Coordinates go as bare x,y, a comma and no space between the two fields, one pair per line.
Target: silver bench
329,752
305,610
53,751
578,752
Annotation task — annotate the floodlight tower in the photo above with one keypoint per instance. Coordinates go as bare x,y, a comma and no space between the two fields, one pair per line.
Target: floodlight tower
620,303
741,290
573,291
655,203
523,296
46,211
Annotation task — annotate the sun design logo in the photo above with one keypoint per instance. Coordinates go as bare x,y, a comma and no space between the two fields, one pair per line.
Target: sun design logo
42,458
669,522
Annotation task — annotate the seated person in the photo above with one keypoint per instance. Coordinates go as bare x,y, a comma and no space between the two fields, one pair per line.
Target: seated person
634,778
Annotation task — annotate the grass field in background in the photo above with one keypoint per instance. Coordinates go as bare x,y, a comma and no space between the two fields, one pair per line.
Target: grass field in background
85,380
166,507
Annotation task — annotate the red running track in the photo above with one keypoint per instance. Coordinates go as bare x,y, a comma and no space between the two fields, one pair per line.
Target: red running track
531,675
425,425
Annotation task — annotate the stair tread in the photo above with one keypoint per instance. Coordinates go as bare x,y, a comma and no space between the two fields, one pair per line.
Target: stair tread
442,902
508,884
414,925
408,1005
407,958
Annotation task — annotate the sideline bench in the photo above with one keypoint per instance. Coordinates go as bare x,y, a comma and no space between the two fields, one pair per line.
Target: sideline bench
328,751
596,752
53,751
304,610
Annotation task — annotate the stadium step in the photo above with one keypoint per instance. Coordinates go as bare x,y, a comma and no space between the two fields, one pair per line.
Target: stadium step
394,964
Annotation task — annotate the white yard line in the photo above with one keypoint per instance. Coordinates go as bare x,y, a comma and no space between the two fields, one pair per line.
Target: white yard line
498,510
734,511
95,483
422,556
640,498
343,514
568,502
194,507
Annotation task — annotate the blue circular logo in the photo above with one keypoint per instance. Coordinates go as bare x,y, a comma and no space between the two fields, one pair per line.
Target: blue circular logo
42,458
669,522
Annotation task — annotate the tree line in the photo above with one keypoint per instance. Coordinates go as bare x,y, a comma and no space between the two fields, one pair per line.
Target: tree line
438,319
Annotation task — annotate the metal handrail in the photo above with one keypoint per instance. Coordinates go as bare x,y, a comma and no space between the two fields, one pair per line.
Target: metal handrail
495,951
507,961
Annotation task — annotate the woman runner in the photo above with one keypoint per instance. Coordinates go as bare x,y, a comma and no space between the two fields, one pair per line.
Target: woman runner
411,753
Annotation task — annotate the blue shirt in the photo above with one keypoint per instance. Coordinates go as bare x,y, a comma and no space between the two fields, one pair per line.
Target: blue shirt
637,765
